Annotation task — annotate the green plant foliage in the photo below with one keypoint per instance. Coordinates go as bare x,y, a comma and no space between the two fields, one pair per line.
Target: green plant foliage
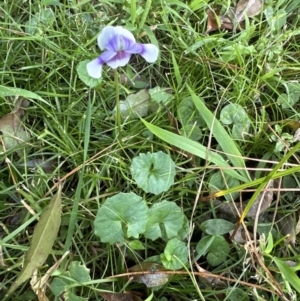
79,272
83,75
191,131
121,216
216,248
220,181
59,284
188,114
159,95
175,254
237,294
40,22
165,220
154,172
235,114
217,226
292,95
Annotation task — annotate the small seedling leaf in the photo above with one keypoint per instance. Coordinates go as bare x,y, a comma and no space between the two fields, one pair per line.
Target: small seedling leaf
43,238
124,214
165,221
154,172
217,226
59,284
152,278
175,254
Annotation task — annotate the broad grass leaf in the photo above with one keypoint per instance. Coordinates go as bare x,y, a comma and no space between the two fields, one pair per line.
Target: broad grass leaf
216,248
165,221
153,172
151,277
288,273
43,238
123,215
12,91
225,141
194,148
175,254
84,76
217,226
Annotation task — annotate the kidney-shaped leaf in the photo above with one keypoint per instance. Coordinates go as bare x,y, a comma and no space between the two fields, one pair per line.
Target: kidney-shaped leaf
153,173
165,221
216,248
122,212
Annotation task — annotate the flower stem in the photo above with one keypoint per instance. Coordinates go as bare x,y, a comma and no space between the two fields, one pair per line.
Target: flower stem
118,113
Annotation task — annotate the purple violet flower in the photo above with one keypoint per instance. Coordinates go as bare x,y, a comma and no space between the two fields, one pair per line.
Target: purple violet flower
119,44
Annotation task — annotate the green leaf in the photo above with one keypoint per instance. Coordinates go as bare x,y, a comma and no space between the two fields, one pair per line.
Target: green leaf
165,221
84,76
59,284
194,148
136,245
136,105
153,173
237,294
70,296
217,226
12,91
43,238
79,272
191,131
188,114
235,114
175,254
124,214
216,248
224,140
288,274
159,94
219,181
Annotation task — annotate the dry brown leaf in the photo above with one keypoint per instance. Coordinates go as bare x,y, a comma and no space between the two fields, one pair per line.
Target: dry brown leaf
233,19
120,296
261,203
152,278
251,8
11,127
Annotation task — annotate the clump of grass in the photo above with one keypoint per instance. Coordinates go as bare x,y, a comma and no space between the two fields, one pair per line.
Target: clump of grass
72,138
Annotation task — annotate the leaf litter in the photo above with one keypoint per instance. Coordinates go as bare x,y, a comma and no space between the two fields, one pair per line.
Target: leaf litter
235,17
11,127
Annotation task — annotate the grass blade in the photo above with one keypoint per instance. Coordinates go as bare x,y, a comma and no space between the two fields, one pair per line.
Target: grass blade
221,135
194,148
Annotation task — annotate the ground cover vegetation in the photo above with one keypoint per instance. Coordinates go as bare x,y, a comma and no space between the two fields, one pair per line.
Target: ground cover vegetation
170,176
